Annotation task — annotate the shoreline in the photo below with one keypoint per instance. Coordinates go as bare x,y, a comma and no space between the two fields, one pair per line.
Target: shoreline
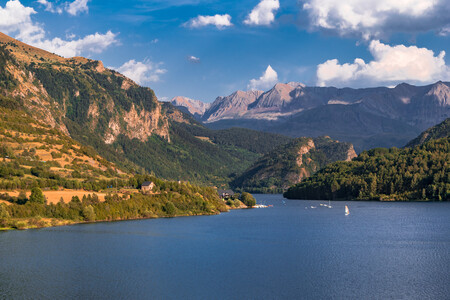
62,222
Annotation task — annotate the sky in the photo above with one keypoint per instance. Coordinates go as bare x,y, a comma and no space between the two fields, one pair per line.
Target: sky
202,49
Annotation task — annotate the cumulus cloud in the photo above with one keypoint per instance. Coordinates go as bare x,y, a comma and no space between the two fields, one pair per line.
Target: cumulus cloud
15,19
391,65
142,72
374,18
93,43
73,8
263,13
193,59
49,6
76,7
220,21
268,79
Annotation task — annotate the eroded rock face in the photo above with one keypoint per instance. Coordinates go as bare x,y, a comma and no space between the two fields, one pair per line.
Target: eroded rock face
138,125
351,154
303,150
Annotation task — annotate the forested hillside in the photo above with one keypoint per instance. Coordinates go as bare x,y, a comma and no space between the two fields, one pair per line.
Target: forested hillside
122,121
290,163
418,173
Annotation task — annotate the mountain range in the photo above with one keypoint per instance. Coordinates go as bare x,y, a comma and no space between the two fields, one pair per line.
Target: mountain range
366,117
124,122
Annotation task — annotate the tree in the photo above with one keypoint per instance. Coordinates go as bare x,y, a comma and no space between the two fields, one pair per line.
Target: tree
89,213
4,215
37,196
22,198
247,199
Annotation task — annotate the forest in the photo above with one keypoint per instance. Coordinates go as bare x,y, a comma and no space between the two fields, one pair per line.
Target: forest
418,173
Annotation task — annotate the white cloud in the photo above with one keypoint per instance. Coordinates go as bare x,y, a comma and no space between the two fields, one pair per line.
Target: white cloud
375,18
268,79
77,6
263,13
15,19
220,21
193,59
73,8
391,65
93,43
142,72
49,6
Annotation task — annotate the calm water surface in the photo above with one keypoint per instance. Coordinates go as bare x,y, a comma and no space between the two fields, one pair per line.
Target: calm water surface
379,251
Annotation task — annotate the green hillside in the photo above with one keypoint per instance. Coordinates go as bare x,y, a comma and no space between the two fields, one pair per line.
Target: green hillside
418,173
122,121
291,163
439,131
38,162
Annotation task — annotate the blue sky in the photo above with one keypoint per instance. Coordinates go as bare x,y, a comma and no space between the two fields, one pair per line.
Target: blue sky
204,49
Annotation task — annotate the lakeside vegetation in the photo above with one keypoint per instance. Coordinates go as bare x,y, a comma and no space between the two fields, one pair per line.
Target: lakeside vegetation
418,173
168,199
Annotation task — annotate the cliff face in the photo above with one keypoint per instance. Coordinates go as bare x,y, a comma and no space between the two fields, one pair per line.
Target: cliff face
291,163
61,92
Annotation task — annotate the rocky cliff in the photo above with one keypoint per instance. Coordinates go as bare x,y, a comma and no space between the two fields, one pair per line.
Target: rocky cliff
62,92
291,163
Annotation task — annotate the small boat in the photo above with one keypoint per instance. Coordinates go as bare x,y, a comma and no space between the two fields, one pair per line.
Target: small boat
347,212
260,206
313,207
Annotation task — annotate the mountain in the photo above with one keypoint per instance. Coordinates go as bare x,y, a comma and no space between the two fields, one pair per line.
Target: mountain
195,107
122,121
417,172
366,117
436,132
33,153
289,164
230,107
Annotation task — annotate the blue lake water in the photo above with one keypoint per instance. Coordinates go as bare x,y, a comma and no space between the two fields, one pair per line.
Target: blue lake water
379,251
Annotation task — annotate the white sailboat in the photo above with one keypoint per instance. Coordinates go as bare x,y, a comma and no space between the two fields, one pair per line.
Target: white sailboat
347,212
329,204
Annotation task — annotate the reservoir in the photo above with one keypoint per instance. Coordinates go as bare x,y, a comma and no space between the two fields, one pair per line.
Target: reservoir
289,251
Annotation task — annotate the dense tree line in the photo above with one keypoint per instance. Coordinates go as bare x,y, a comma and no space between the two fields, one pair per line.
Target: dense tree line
419,173
170,199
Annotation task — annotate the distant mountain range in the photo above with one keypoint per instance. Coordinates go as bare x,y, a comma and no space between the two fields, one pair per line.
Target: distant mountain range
367,117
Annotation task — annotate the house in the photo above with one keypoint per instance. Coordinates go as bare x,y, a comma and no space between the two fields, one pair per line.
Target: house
147,186
225,194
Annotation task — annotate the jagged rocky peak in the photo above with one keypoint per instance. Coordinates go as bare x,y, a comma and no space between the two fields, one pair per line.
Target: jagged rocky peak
234,105
193,106
441,92
278,96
